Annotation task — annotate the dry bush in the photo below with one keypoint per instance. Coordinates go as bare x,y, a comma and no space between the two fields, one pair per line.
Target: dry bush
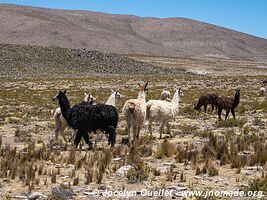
166,149
213,171
181,154
139,173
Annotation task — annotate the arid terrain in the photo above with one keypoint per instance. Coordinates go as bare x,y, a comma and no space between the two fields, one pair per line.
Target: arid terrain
43,51
203,154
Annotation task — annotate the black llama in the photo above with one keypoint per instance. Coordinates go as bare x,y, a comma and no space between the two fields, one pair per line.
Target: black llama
89,118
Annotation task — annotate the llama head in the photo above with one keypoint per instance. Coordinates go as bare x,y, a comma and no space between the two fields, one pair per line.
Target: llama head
180,92
143,87
59,95
176,97
89,98
197,108
117,94
237,92
143,91
165,95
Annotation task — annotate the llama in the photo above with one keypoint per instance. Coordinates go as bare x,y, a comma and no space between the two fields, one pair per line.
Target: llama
112,98
228,103
206,99
60,121
111,101
163,112
89,118
262,92
134,111
165,95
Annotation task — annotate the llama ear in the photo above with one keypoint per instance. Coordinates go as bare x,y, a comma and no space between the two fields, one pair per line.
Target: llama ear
112,90
86,94
64,91
140,85
145,85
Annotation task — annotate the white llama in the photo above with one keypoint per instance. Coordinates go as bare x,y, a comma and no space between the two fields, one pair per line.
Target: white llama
163,112
112,98
165,95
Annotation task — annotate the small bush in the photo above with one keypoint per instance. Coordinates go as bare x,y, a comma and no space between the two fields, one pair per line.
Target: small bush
187,129
166,149
138,174
213,171
231,123
189,111
258,184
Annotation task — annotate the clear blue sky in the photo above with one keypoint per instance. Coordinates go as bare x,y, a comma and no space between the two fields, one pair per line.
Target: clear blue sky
249,16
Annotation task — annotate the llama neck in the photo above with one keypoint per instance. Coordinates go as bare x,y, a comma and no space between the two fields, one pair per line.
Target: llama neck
142,99
236,99
112,99
175,101
86,98
142,96
64,107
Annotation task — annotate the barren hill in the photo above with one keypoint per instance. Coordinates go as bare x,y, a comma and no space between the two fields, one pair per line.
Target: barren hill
25,61
126,34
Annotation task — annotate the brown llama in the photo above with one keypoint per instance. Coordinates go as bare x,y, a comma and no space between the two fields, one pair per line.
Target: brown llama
134,111
206,99
228,103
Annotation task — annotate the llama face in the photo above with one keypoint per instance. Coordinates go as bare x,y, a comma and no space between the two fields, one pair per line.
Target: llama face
89,98
118,95
180,92
59,95
237,91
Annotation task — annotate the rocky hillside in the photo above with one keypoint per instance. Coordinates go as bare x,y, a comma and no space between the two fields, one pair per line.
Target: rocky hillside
126,34
17,62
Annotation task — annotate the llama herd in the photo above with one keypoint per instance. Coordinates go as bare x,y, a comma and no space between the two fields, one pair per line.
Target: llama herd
88,117
219,102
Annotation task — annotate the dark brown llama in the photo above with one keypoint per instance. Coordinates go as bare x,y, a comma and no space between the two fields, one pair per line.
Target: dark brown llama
228,103
206,99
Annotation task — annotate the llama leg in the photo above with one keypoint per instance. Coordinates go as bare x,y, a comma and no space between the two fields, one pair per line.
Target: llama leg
162,129
219,113
233,113
62,129
56,133
150,127
169,129
58,127
212,108
87,140
138,131
205,108
129,131
112,136
134,133
227,113
97,137
78,138
74,135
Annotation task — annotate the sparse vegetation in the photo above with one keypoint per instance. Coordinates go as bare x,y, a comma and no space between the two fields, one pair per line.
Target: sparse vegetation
39,162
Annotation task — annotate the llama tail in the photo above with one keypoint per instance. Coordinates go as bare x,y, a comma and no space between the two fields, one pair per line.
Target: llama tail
148,111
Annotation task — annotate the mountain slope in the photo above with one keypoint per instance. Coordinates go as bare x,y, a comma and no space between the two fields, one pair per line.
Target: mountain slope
125,34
